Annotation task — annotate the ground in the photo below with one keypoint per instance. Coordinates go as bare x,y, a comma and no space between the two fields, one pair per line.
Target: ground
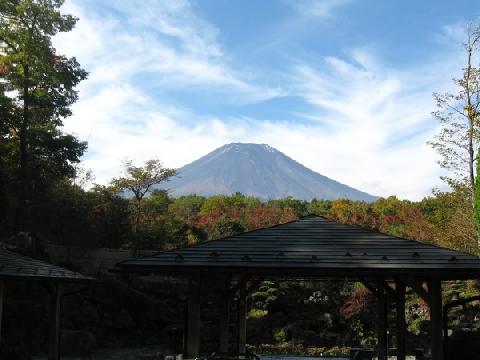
144,353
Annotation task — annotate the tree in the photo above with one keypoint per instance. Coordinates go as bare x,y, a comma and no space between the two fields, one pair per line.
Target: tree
36,92
186,206
140,180
452,219
477,197
458,114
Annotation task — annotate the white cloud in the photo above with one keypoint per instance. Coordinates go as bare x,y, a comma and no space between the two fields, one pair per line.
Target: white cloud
161,38
378,122
368,131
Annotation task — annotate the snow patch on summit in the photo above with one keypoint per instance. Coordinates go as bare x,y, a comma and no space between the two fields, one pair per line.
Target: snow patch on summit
268,148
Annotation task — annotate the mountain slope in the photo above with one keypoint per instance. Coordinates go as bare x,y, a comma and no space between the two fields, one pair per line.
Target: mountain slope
257,170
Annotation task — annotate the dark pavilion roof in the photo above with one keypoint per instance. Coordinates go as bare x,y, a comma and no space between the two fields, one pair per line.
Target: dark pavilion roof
14,265
313,246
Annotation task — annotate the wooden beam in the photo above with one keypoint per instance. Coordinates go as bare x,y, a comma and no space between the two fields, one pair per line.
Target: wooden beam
224,321
2,291
417,286
435,306
185,328
55,312
242,321
193,319
381,323
400,320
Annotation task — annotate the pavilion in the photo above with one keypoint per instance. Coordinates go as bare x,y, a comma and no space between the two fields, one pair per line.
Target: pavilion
15,267
314,248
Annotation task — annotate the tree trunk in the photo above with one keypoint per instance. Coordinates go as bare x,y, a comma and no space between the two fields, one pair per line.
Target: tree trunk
24,183
471,153
3,199
471,119
137,216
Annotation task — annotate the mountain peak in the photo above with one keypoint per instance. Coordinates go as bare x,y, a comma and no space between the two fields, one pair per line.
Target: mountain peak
257,170
247,146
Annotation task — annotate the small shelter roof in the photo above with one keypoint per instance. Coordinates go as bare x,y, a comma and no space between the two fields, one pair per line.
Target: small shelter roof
14,265
313,247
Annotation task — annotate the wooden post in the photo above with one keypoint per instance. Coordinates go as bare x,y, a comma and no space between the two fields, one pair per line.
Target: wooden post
435,292
2,290
55,310
382,323
400,321
224,325
242,321
193,319
185,328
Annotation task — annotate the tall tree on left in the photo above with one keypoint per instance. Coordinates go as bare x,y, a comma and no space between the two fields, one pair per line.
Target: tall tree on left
37,89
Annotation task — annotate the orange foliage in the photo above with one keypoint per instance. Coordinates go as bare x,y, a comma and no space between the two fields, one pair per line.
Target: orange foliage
391,216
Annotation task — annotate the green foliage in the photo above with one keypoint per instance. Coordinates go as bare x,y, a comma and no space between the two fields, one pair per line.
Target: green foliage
451,217
299,207
279,335
306,314
139,180
37,89
266,294
156,205
186,206
319,207
291,348
165,234
223,203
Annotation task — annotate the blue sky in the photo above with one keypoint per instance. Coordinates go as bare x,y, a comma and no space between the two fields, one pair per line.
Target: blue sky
342,86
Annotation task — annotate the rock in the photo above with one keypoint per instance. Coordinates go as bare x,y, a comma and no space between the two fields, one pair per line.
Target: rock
76,343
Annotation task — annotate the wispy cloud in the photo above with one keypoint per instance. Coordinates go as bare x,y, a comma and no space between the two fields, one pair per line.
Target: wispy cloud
378,121
316,8
368,127
162,38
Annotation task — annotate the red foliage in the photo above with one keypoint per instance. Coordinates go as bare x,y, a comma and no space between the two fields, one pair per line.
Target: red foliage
360,302
247,218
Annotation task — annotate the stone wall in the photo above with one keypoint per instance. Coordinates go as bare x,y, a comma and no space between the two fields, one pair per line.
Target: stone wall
97,262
